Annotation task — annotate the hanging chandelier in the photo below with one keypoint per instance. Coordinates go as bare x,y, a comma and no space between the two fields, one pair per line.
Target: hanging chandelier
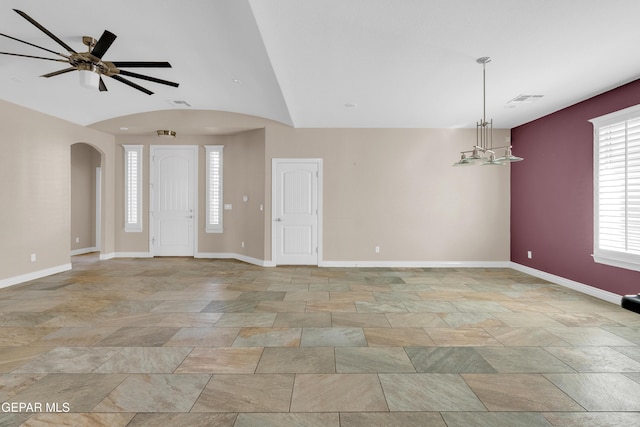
484,153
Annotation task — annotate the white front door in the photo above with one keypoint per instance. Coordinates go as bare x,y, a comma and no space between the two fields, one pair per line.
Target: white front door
295,211
173,200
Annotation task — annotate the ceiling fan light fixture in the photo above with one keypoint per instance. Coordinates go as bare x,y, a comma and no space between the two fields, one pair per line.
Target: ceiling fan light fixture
89,79
90,63
166,133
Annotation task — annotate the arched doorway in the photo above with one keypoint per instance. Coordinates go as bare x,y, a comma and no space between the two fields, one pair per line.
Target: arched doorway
86,194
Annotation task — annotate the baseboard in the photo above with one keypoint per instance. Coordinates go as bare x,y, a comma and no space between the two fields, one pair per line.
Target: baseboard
417,264
83,251
34,275
132,255
567,283
239,257
104,257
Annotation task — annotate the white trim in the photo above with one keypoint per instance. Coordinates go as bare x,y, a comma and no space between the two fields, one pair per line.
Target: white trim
567,283
104,257
620,115
616,259
83,251
98,207
274,162
621,256
34,275
417,264
132,255
239,257
195,174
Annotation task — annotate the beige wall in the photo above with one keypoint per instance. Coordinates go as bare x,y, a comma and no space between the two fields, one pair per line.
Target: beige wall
35,172
84,161
243,171
393,188
396,189
243,175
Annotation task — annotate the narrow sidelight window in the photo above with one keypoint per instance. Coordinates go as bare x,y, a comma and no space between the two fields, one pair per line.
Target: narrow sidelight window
214,188
132,188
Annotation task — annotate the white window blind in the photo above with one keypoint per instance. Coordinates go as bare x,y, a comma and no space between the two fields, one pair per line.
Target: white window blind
214,188
617,188
133,188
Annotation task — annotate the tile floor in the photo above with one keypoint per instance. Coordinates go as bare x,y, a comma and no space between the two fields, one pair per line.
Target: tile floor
188,342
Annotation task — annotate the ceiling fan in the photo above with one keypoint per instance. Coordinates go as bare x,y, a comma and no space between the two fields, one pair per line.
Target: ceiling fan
92,59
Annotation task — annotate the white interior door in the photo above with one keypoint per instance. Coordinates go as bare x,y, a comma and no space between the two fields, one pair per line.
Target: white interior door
173,190
296,210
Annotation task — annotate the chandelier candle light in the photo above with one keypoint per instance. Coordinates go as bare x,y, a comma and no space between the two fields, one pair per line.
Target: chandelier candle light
483,153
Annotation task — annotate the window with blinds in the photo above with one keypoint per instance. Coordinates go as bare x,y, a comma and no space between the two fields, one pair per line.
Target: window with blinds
214,188
617,188
132,188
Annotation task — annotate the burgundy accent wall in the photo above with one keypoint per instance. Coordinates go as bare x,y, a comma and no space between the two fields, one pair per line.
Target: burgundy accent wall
552,193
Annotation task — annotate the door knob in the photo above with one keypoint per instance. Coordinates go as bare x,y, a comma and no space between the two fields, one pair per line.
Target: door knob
278,219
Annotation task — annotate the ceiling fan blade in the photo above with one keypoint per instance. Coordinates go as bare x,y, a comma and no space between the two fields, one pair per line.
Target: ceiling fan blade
34,57
57,73
132,84
141,64
148,78
34,45
102,86
106,39
44,30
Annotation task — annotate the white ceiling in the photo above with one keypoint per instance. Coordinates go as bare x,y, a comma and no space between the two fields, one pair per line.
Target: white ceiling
402,63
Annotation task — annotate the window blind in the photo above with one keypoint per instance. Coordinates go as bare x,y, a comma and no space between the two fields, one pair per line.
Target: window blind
133,188
617,188
214,188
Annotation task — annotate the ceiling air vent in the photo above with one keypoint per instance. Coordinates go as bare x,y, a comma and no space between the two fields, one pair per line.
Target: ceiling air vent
522,99
525,99
180,103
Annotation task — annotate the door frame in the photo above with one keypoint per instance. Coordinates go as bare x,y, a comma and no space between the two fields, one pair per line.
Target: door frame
274,163
99,209
152,172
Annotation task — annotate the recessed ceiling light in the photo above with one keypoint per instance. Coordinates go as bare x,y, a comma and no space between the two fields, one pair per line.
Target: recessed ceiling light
124,128
350,105
237,81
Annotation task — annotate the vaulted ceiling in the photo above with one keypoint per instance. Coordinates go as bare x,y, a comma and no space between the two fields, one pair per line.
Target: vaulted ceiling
330,63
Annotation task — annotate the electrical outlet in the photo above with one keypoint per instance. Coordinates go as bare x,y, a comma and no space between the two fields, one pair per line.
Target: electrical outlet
377,249
77,240
529,254
242,244
33,257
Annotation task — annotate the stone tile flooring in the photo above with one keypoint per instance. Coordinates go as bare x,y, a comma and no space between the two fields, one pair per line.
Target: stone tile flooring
188,342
